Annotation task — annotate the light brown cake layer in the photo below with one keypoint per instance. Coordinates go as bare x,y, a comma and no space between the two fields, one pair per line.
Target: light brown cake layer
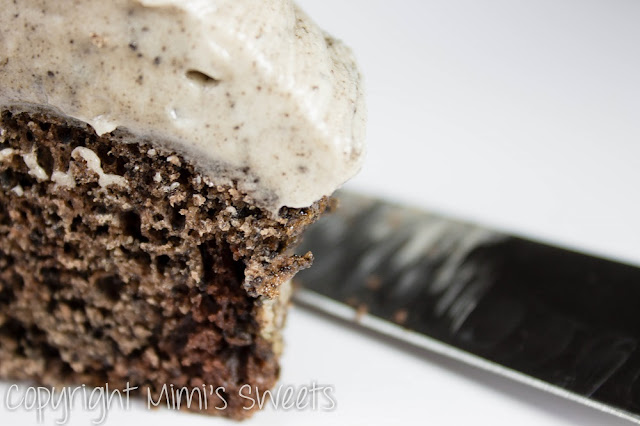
138,270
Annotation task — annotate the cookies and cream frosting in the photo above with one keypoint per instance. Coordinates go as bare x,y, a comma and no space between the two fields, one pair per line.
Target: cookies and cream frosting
250,91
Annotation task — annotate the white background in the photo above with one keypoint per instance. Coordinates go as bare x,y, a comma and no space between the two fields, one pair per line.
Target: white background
520,115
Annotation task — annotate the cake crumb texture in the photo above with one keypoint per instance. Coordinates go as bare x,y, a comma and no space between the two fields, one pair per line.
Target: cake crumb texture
119,262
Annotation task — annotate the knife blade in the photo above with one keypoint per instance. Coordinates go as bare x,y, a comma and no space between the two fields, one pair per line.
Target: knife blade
549,317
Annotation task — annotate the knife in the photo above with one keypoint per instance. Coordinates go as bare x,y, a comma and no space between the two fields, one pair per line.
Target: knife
552,318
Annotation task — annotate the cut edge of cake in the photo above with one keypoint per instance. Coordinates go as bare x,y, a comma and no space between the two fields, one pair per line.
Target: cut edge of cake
122,263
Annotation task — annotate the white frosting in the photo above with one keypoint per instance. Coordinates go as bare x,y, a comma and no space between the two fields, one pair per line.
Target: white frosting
18,190
6,153
67,179
248,90
31,160
64,179
94,164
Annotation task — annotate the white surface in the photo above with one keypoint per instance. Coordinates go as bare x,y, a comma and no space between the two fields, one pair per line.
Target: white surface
518,114
524,115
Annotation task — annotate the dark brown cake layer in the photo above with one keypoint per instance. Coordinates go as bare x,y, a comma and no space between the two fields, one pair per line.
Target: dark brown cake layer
156,277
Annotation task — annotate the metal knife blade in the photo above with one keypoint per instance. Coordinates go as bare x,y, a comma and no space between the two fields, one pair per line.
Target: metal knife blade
552,318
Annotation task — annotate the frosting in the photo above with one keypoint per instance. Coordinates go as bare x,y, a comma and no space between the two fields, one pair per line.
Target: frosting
250,91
